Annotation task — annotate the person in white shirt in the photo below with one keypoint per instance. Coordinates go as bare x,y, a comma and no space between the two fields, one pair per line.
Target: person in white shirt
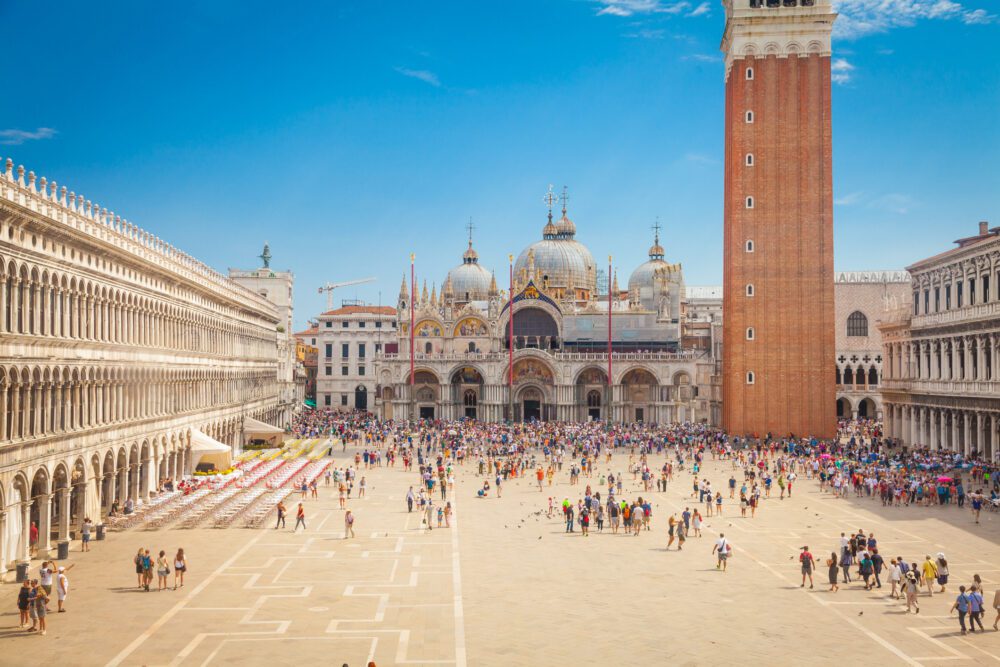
62,588
722,550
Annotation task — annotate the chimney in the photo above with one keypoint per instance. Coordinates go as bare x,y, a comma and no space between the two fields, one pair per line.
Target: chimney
983,227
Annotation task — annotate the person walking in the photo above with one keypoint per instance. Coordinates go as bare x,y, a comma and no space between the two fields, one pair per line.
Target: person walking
447,515
429,512
942,571
62,588
808,565
300,518
282,511
147,569
162,571
180,567
996,607
138,566
409,500
975,609
910,589
722,549
831,566
930,572
33,591
348,524
895,578
961,604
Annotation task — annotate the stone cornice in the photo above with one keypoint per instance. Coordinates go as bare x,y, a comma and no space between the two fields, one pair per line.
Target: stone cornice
779,31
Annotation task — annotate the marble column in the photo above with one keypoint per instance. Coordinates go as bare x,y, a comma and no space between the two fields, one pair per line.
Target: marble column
24,547
44,524
64,513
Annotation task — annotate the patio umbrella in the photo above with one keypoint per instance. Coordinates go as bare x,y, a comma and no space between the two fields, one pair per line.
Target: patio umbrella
944,479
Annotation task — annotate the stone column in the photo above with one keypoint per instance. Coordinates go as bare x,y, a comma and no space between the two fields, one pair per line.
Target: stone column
967,442
955,444
993,437
4,391
943,430
64,513
24,548
932,428
3,533
44,524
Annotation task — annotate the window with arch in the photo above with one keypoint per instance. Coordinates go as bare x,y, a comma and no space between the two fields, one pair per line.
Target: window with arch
750,333
750,289
472,347
749,160
428,348
857,324
749,73
749,202
749,116
750,377
749,245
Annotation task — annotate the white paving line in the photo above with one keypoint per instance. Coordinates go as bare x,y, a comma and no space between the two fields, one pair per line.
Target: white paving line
456,578
160,622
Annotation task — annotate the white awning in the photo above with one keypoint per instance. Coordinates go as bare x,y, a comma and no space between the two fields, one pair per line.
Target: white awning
206,444
251,425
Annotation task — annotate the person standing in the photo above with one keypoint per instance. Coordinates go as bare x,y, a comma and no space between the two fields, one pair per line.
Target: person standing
942,571
162,571
808,565
147,569
138,566
300,517
282,510
180,567
429,512
895,578
62,588
348,524
85,534
409,500
23,600
41,608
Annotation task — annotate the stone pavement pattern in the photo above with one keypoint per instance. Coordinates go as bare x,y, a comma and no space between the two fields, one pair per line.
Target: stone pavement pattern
508,587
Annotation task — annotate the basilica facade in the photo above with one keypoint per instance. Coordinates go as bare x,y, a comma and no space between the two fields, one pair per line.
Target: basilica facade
468,360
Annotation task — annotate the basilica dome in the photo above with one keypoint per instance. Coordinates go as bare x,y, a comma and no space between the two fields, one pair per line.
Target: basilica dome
642,284
469,281
558,262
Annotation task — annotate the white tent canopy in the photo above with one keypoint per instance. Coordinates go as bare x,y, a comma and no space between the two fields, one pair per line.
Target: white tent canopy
206,449
251,425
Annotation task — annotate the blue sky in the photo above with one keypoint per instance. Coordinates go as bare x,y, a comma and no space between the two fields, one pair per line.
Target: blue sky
348,134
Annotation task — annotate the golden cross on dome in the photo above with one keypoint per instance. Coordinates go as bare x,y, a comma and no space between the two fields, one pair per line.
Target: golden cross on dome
564,197
549,199
656,228
470,227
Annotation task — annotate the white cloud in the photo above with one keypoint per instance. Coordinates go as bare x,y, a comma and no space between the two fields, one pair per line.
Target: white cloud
702,58
630,7
700,158
840,71
849,199
859,18
14,137
421,75
701,10
894,202
646,33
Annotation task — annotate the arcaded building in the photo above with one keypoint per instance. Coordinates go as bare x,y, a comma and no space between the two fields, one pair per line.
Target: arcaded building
942,387
779,329
121,358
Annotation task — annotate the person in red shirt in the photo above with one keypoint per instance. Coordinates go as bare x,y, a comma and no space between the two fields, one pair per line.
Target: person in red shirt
808,565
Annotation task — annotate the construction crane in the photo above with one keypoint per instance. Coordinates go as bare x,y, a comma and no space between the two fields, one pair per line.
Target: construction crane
329,287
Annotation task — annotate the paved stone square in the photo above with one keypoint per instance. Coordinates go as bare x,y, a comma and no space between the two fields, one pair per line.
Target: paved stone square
507,586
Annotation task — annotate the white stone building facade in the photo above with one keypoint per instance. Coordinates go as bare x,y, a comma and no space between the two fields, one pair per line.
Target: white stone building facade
116,349
942,387
349,340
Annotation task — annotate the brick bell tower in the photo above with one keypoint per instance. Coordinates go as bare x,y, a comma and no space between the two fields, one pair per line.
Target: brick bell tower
778,313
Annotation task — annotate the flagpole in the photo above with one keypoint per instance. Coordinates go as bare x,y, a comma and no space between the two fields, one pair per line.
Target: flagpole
413,296
610,386
510,340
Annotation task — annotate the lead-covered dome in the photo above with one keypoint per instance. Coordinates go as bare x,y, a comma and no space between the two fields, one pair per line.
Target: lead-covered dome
643,283
469,281
558,263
